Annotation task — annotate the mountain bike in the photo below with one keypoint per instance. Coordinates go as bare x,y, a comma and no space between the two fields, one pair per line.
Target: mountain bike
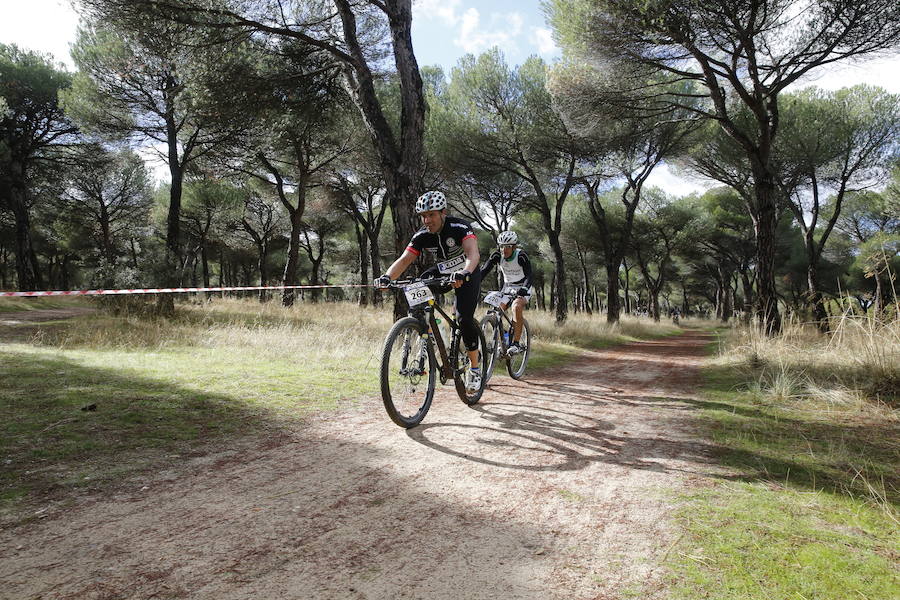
415,356
498,329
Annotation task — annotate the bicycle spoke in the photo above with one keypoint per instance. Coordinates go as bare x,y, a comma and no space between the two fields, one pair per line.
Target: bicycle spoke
407,380
516,363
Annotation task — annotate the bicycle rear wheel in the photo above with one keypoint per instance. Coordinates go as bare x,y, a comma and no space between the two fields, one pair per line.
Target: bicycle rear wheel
491,333
461,368
407,373
516,363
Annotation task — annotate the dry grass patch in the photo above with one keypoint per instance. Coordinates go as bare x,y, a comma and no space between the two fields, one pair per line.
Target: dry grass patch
856,366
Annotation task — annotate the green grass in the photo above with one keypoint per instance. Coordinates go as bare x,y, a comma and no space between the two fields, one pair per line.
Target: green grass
753,541
810,509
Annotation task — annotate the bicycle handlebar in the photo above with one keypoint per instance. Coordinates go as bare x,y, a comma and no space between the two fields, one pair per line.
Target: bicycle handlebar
399,283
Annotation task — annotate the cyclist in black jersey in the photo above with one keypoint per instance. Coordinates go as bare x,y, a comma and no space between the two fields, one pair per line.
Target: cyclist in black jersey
516,269
454,246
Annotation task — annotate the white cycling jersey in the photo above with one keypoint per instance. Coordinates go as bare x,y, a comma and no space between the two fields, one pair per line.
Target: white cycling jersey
516,269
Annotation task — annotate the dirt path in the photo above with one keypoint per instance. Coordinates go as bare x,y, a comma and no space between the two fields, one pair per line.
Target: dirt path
555,487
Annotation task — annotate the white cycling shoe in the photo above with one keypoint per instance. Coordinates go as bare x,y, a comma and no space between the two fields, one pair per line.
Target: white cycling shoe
473,380
515,348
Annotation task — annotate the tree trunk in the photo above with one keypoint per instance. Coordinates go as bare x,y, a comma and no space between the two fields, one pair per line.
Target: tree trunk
165,303
613,303
27,268
65,272
375,261
626,288
4,261
262,250
107,249
748,295
362,248
402,194
539,290
587,284
813,295
315,294
765,222
134,260
653,294
724,295
402,161
559,279
293,252
576,297
204,262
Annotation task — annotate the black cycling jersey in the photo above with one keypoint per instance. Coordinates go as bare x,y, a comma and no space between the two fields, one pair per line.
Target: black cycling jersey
516,269
445,245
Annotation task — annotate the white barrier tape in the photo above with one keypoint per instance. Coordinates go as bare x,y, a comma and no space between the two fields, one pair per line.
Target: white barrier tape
171,290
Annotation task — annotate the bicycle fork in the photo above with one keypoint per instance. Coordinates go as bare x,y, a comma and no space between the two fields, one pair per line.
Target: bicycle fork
417,368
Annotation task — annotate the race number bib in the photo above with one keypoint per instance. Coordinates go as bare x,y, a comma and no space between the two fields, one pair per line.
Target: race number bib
417,293
452,265
494,299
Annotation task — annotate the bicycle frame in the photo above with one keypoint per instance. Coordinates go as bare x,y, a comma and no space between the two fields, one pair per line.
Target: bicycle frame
503,315
425,314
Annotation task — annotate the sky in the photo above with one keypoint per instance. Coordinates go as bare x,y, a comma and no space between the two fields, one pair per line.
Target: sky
443,31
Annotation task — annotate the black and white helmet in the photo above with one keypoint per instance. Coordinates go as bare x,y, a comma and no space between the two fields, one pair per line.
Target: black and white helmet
507,238
432,200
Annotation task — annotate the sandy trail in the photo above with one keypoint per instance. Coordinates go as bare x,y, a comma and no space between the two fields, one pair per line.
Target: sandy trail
558,486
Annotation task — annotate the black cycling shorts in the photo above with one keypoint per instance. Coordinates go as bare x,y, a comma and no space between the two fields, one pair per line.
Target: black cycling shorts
467,296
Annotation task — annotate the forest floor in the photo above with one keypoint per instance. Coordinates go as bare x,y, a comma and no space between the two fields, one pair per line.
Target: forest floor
561,485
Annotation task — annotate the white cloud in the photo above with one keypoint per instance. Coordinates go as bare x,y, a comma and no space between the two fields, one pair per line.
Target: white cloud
505,27
542,38
881,71
445,10
42,25
677,184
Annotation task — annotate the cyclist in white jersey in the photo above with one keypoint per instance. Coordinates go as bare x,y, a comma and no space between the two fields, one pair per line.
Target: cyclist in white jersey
516,269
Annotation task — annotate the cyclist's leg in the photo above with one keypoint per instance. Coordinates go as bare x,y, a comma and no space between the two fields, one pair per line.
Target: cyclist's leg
518,315
466,302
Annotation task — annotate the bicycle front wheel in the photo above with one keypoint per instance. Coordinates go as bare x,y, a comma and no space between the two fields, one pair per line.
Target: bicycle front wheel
516,363
407,373
491,333
462,366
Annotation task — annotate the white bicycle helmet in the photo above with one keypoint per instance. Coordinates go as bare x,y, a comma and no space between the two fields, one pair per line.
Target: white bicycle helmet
507,238
432,200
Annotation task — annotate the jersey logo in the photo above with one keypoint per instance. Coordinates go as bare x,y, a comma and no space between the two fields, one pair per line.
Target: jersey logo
450,242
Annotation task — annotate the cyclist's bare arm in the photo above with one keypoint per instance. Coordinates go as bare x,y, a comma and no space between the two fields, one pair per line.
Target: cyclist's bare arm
400,265
473,257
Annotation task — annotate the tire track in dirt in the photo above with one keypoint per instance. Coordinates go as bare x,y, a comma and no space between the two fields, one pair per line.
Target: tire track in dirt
557,486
